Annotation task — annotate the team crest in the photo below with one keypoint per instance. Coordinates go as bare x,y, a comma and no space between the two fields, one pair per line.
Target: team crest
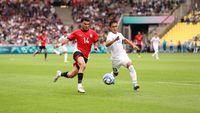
91,36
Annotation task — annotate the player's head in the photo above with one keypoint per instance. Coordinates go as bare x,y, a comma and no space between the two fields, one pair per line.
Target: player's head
113,26
85,24
155,33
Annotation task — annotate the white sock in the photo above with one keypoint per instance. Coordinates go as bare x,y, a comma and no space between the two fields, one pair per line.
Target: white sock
133,75
80,85
157,55
65,57
57,52
153,54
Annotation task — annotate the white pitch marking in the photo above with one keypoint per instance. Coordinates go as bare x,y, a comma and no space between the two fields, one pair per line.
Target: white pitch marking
178,83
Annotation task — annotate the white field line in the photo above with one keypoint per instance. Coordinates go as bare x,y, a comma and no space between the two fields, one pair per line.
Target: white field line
179,83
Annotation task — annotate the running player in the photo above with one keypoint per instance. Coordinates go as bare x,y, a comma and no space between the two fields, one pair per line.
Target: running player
119,56
84,37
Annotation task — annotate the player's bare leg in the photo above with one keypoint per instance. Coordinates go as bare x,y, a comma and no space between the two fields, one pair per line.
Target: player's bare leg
82,66
67,74
56,52
37,52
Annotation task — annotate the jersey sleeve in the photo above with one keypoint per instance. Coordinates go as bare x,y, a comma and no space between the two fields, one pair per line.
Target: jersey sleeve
121,36
109,37
72,36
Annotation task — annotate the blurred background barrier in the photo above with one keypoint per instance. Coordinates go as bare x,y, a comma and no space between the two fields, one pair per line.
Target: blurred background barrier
31,49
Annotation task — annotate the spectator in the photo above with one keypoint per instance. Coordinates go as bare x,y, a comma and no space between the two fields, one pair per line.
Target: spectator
179,48
164,44
171,46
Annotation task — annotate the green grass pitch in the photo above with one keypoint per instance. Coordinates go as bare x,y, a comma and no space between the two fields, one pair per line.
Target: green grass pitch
168,85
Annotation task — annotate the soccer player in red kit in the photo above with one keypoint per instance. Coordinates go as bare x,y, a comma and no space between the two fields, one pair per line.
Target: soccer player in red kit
42,38
138,38
84,37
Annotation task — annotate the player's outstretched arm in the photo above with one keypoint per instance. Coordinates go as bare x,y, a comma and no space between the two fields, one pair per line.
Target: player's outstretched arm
110,42
62,43
131,44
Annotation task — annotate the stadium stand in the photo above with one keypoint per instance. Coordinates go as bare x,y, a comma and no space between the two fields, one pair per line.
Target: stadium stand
21,22
182,32
187,29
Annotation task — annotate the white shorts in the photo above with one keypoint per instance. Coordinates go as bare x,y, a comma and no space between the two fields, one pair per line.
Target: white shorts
117,63
155,48
63,48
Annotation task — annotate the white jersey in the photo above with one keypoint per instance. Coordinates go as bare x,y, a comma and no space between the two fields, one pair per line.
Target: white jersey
156,42
62,38
63,48
116,49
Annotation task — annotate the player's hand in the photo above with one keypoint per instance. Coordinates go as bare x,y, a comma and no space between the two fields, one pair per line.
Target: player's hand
117,38
56,46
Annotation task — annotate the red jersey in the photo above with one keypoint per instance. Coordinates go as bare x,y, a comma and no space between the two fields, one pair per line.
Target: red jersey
42,38
84,40
138,39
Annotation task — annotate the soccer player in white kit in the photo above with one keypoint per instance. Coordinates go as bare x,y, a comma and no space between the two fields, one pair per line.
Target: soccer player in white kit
119,56
156,42
62,48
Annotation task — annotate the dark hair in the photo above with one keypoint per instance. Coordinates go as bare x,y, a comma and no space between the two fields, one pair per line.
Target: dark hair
111,22
85,19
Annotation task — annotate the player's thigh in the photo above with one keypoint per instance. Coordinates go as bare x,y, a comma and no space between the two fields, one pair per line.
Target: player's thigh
81,61
115,66
126,62
155,49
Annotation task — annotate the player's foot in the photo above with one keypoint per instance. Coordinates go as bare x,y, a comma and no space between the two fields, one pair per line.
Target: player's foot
34,54
80,88
136,87
58,75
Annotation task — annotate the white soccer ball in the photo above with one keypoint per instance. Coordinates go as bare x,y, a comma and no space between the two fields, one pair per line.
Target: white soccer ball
108,79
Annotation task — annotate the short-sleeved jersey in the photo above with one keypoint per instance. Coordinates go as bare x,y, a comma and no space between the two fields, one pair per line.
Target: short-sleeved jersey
116,48
42,38
84,40
138,39
62,38
155,41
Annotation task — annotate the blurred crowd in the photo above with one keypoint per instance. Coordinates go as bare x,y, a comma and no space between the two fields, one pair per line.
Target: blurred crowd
21,22
193,16
101,12
153,7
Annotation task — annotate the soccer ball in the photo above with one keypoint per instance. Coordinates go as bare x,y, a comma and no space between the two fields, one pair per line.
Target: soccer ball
108,79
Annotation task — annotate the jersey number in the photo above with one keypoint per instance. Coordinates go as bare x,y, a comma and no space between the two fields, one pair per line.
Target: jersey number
86,40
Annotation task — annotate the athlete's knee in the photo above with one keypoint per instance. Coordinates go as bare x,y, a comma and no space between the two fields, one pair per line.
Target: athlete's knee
82,65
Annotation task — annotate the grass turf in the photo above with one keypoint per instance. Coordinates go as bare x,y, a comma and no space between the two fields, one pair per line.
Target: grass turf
168,85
